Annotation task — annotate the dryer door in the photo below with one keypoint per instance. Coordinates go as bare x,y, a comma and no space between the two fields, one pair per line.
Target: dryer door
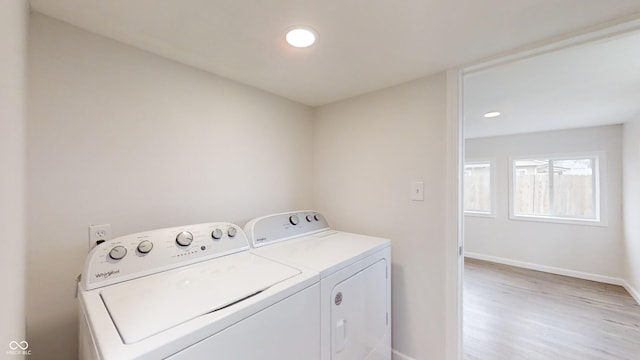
359,313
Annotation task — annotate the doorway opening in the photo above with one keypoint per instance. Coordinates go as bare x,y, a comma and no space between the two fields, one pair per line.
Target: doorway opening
540,194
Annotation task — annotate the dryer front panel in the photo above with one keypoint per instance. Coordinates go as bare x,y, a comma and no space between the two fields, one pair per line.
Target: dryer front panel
359,317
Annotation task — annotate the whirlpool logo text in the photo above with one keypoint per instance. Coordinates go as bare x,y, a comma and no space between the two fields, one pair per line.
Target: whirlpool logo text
107,274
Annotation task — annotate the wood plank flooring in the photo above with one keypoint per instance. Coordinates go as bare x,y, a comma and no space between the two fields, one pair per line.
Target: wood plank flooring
513,313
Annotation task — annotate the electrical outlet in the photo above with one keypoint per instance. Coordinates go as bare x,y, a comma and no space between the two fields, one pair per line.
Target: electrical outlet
99,234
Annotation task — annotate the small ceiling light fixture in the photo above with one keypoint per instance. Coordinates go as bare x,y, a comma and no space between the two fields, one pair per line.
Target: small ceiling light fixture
492,114
301,37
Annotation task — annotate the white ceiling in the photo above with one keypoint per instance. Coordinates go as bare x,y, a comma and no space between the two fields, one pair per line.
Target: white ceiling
587,85
363,45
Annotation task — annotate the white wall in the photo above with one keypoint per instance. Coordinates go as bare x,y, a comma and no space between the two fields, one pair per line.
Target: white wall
14,15
588,251
631,186
117,135
367,151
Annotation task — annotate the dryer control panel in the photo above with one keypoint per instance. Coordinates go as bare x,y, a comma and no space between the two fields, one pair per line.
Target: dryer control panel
136,255
279,227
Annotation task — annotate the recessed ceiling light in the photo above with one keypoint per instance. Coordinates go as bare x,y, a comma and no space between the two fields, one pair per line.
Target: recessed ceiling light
492,114
301,37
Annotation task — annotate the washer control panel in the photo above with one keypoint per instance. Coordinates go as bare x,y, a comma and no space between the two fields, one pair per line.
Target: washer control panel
279,227
136,255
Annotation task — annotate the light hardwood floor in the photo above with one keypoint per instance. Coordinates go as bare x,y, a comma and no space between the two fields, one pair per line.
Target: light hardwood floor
514,313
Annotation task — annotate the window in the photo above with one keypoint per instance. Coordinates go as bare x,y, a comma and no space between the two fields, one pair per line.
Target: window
478,190
564,188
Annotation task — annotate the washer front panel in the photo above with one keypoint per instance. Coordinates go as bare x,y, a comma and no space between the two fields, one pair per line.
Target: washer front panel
287,330
136,255
143,307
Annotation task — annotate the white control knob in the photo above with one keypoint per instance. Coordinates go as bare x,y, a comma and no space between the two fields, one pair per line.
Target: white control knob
184,238
118,252
317,217
309,218
145,246
232,232
293,219
216,234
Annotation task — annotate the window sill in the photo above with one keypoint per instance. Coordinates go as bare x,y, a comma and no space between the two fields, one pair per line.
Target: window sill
479,214
559,220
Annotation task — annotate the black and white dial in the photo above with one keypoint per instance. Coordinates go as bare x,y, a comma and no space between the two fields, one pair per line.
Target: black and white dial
184,238
145,246
232,232
216,234
118,252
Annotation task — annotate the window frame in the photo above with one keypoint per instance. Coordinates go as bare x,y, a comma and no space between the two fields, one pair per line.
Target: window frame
492,187
600,164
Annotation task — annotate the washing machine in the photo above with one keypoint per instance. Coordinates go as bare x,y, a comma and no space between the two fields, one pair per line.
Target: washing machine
355,279
195,292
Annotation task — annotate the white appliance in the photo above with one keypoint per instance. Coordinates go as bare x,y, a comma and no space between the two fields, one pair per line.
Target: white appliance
195,292
355,279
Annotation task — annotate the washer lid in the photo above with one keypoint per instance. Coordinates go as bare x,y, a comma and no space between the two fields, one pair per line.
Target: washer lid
146,306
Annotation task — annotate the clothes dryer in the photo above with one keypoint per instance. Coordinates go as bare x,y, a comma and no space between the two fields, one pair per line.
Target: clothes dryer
195,292
355,279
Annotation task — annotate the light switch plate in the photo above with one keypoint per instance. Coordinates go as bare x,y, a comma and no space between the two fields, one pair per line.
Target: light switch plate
417,191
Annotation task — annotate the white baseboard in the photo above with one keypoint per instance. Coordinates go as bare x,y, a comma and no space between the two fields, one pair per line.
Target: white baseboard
635,294
397,355
549,269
